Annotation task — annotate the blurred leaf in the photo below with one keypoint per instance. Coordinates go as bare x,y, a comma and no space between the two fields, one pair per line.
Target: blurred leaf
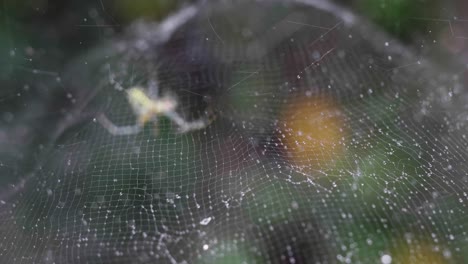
396,15
314,134
152,9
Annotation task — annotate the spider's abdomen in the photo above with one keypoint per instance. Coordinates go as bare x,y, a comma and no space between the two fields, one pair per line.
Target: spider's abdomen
139,101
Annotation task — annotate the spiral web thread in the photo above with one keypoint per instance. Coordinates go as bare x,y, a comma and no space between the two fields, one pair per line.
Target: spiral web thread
324,149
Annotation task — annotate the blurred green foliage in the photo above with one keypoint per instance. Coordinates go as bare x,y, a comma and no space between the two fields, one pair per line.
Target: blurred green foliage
397,16
149,9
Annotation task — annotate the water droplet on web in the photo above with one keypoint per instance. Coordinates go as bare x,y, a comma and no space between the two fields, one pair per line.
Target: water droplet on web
386,259
205,221
294,205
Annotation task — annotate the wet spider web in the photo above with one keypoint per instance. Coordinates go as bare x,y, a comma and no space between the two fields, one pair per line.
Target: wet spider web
332,143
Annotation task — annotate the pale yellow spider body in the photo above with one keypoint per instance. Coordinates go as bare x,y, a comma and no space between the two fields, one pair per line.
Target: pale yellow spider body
146,108
149,110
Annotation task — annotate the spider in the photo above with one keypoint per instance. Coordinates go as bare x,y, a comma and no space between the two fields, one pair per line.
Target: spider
149,110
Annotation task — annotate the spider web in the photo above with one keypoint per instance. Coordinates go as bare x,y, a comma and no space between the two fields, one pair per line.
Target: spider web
332,143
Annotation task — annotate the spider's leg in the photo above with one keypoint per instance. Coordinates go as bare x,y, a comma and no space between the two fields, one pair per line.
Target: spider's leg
117,130
185,126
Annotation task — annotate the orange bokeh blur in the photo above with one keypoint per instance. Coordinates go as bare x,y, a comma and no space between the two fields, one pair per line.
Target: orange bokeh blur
313,132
